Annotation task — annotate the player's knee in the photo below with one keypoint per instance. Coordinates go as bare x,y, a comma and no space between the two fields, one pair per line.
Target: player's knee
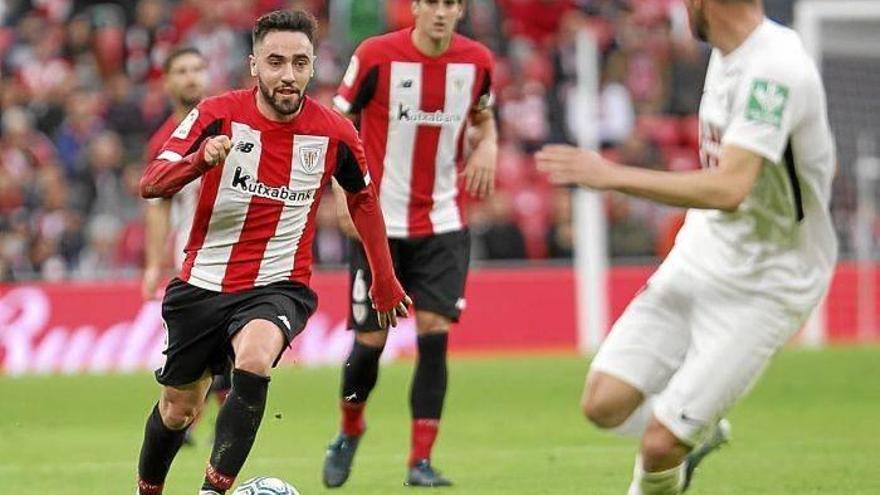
660,448
430,322
373,339
177,415
602,413
255,361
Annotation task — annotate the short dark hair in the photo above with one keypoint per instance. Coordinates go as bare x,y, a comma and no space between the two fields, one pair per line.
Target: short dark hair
285,20
177,53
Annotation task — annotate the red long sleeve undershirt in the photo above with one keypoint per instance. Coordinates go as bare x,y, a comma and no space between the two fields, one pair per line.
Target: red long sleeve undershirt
386,291
164,178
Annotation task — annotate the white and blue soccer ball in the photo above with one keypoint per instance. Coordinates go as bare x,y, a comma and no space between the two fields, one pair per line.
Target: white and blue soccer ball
265,485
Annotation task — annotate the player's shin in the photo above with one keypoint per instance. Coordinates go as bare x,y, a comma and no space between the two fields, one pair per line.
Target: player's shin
237,424
158,450
359,376
427,394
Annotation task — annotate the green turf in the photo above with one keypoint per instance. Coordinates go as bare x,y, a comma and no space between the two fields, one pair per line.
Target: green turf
512,426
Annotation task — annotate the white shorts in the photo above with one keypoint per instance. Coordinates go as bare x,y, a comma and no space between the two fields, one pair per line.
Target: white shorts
694,345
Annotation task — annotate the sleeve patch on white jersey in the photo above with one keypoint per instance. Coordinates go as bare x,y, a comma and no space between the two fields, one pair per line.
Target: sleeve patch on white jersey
767,101
186,124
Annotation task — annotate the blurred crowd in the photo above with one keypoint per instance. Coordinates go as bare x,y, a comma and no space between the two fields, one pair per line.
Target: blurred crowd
80,93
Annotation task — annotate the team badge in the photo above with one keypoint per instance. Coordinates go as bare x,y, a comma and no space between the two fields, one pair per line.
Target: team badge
309,156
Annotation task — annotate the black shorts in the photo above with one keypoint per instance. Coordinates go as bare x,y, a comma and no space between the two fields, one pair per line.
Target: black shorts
432,270
200,324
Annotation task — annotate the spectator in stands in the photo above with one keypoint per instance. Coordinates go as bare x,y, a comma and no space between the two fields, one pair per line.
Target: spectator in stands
101,186
496,236
560,234
123,112
82,123
223,47
148,41
616,114
629,235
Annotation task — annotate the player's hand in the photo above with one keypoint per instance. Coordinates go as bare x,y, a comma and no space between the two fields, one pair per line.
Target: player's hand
216,149
387,318
479,173
150,283
567,165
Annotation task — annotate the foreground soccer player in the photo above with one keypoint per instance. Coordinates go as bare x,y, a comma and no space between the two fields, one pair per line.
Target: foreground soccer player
242,294
417,93
752,261
185,81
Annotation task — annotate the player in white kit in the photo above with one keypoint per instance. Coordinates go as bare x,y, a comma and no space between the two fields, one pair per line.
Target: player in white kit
752,261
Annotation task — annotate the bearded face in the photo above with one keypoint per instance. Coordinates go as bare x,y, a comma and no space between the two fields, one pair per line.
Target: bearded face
283,65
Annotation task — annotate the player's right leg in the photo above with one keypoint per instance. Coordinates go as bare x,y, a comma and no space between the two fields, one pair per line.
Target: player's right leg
359,373
644,349
166,428
191,316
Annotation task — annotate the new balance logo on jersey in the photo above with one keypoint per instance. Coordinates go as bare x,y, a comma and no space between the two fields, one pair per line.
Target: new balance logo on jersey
246,183
406,113
244,147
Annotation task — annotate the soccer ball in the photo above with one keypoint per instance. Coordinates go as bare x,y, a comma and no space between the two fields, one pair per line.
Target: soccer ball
265,485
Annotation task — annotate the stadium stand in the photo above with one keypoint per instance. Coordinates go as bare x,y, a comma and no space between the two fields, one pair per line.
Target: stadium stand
80,91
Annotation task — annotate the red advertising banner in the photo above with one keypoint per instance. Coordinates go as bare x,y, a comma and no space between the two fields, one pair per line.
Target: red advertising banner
106,326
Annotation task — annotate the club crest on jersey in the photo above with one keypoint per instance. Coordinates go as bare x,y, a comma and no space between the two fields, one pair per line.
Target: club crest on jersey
309,157
247,184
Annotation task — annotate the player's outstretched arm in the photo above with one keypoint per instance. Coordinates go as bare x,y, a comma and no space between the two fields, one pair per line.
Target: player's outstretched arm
157,220
388,296
479,173
722,188
164,177
342,213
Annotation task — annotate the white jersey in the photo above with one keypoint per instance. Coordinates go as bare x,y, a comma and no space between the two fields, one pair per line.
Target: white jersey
767,97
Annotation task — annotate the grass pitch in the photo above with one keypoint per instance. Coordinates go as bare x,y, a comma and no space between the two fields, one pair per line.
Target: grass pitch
512,426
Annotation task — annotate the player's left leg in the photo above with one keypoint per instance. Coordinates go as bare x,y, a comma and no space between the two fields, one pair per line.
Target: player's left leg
436,268
427,394
263,326
256,348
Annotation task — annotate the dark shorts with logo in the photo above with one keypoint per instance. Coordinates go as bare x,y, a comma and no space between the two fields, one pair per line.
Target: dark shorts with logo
200,324
432,270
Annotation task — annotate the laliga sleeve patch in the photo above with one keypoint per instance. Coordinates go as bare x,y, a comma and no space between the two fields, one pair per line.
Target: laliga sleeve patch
186,124
352,72
767,102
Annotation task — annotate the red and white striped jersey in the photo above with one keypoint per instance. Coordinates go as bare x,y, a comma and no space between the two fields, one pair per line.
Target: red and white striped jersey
255,218
413,113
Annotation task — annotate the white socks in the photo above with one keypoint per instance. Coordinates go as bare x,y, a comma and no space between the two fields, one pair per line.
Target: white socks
669,482
637,422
